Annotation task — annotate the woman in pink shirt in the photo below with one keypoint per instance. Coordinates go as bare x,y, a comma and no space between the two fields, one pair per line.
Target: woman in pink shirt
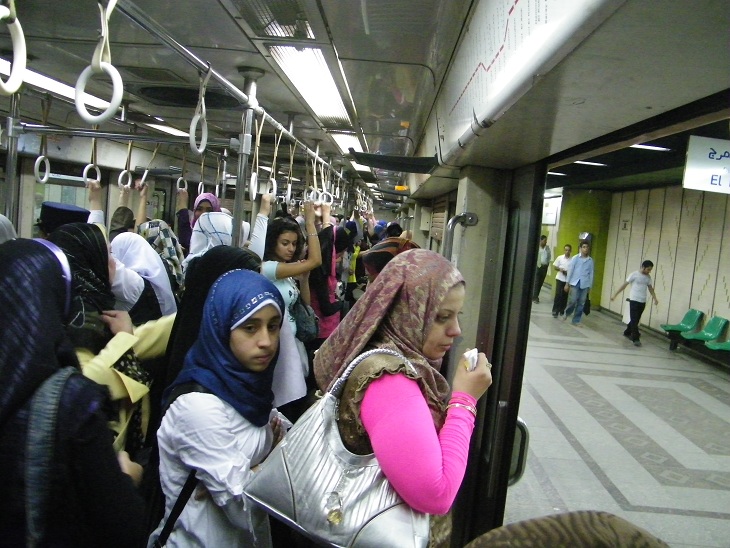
418,427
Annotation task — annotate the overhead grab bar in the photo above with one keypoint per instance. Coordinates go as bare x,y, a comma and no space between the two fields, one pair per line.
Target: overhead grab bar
17,71
199,116
100,62
25,127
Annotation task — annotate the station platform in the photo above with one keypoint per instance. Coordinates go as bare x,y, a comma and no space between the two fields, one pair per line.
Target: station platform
642,432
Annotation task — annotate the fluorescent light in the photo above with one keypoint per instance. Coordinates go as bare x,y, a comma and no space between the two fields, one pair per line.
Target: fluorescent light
37,80
589,163
372,185
360,167
556,173
308,71
347,141
651,147
167,129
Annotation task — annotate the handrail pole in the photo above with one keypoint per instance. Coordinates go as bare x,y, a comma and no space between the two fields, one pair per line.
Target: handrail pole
12,183
23,127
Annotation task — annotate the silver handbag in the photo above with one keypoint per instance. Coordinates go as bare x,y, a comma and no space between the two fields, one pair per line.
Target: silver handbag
314,484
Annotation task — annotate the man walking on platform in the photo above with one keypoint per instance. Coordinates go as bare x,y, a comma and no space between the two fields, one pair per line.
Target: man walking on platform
640,282
543,261
579,281
561,266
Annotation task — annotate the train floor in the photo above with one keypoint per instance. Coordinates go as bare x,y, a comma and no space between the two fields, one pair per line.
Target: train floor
642,432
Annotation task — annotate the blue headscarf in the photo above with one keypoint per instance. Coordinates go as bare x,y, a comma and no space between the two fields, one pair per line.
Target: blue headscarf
234,297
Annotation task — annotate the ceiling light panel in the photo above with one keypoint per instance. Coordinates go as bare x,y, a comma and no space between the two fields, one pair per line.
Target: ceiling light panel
651,147
347,141
307,70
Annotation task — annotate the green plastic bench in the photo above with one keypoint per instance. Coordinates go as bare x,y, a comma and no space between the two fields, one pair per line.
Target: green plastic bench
713,330
714,345
690,322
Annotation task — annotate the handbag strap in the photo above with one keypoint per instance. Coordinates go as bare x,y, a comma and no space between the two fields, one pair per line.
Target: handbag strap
177,509
339,384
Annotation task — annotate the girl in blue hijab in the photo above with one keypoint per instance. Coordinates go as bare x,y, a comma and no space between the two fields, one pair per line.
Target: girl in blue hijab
222,424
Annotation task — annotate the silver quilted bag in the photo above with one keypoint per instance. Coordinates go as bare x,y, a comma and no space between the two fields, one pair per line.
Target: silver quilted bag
314,484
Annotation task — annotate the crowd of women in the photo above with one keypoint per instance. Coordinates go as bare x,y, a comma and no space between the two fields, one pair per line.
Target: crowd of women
146,373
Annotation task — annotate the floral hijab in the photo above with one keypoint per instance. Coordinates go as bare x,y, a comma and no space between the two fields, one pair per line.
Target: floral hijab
88,254
396,312
235,297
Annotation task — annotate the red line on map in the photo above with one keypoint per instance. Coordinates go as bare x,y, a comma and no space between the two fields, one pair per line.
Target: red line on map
480,65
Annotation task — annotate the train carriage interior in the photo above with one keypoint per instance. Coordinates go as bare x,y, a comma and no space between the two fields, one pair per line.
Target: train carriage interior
478,125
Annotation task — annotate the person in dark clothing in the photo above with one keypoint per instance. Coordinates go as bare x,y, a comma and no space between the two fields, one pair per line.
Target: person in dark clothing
84,497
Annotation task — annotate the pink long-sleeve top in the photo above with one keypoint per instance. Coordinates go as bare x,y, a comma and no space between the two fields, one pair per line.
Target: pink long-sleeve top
425,467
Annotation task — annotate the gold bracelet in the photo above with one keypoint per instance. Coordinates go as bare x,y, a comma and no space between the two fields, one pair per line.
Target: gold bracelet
470,408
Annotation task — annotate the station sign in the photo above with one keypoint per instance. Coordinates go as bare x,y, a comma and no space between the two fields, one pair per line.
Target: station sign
708,165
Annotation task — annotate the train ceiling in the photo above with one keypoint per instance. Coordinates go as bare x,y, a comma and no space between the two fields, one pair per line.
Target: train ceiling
388,60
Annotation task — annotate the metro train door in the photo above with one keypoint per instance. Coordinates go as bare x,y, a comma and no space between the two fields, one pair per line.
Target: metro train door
508,206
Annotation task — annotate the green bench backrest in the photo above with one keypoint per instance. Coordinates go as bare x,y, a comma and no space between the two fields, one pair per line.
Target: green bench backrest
691,319
715,326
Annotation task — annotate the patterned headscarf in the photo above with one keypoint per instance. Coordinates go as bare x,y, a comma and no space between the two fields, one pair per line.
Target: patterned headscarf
205,196
235,297
34,344
375,258
211,230
85,246
396,312
163,240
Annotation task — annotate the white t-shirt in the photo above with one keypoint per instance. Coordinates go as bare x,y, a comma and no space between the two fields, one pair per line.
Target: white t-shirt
640,283
202,432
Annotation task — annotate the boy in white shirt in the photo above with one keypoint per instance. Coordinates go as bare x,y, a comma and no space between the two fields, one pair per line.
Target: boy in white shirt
640,282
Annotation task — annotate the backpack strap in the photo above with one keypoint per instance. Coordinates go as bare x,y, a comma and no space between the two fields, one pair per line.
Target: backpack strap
177,509
40,452
191,481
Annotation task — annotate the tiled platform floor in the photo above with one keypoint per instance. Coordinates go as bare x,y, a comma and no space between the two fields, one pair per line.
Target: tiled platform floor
643,432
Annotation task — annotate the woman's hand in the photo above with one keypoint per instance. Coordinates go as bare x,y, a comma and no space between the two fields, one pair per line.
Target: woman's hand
118,321
309,216
182,199
278,430
474,382
129,467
